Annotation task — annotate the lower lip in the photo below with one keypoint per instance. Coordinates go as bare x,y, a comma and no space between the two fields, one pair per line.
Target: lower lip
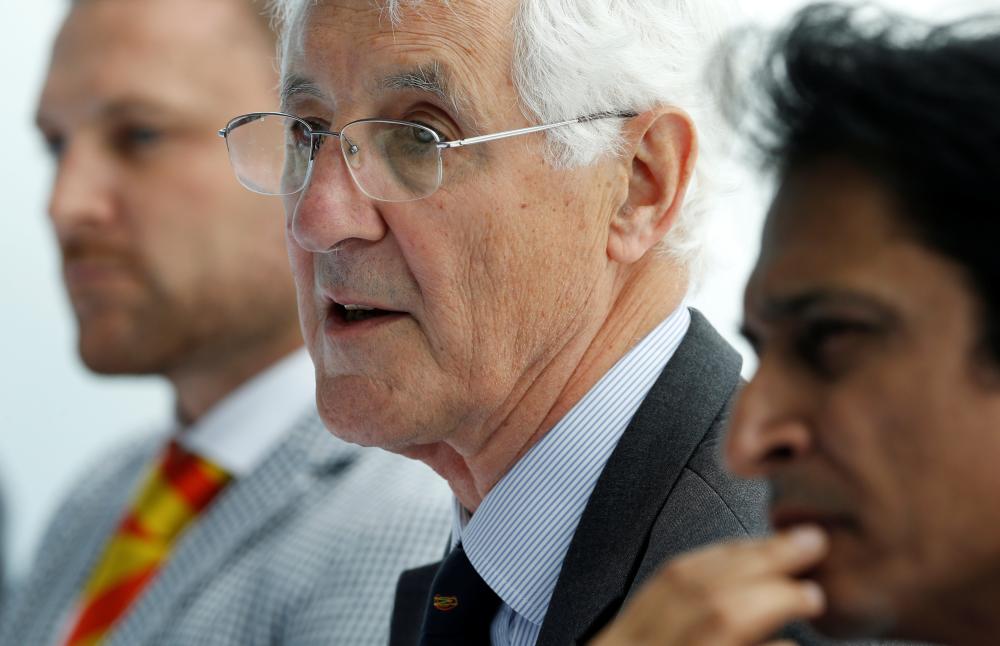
336,326
80,273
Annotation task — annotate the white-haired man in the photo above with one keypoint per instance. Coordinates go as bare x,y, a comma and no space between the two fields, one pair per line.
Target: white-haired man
245,523
504,305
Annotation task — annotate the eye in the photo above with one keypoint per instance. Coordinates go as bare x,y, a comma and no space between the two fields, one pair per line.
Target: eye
433,124
299,132
752,338
425,135
140,135
54,145
134,139
830,346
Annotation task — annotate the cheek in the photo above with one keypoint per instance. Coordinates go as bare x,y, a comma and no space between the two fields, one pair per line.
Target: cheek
301,264
174,260
865,439
443,251
500,272
884,438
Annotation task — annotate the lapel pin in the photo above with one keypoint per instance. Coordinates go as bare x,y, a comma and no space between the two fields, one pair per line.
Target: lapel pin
445,603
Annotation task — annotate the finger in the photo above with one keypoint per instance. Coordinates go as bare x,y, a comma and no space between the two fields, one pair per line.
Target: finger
738,615
787,553
750,614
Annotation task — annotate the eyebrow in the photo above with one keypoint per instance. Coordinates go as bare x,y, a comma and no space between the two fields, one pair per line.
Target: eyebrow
294,86
124,107
778,308
798,303
431,78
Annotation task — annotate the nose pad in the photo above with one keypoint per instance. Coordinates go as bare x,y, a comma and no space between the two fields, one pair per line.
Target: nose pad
331,208
766,429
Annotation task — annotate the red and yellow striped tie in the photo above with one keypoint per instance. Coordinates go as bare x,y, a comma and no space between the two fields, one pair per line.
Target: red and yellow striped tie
174,494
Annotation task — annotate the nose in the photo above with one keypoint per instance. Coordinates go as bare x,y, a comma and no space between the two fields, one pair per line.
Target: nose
82,191
769,426
331,208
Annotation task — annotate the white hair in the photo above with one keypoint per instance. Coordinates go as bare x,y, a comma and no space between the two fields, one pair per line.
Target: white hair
579,57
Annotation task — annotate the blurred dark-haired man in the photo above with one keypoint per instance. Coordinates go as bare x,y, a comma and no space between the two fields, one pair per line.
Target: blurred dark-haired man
245,523
875,310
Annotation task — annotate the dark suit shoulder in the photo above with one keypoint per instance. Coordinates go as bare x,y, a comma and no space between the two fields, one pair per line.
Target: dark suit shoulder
706,504
745,499
661,491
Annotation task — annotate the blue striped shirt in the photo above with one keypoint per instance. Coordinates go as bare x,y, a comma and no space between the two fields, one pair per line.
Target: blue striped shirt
518,538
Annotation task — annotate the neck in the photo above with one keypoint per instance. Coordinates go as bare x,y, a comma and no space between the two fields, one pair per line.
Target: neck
201,384
543,398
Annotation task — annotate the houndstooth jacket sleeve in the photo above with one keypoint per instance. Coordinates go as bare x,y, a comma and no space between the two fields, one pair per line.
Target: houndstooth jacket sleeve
306,550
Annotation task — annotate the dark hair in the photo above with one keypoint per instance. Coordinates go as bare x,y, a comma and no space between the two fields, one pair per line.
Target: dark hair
917,106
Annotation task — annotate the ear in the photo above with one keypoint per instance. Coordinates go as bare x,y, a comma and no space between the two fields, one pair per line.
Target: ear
662,162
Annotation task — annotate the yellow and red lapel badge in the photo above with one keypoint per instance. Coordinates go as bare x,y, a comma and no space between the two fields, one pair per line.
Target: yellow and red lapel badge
445,603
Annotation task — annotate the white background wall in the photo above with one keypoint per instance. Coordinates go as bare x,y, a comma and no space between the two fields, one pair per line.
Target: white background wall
54,416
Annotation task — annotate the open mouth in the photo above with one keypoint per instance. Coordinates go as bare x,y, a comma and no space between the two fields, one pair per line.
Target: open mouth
358,313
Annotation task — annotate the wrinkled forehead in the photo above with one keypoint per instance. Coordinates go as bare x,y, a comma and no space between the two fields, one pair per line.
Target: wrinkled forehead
346,50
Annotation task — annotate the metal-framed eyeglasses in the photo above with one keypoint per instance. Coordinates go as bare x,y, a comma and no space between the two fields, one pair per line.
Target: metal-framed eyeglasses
392,161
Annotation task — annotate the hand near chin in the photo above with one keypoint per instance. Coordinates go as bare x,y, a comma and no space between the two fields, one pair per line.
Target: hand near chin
730,594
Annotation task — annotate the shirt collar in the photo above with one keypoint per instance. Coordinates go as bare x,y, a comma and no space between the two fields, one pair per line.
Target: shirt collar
240,431
520,534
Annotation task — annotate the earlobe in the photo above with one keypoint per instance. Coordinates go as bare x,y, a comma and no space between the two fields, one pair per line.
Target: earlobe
662,162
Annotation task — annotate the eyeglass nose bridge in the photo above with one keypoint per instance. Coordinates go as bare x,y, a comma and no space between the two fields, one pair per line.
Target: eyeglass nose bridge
317,137
317,141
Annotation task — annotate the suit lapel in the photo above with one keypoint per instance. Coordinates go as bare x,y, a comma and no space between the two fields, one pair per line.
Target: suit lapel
248,506
613,532
412,593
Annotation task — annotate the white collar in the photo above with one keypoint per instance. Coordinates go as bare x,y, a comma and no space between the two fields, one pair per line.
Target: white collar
240,431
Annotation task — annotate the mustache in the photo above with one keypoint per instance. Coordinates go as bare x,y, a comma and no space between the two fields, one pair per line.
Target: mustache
84,249
809,494
343,269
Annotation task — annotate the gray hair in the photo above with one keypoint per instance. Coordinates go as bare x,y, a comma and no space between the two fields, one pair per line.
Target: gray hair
577,57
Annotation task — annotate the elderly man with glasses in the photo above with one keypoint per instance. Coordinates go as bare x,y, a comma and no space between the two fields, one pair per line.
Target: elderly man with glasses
492,225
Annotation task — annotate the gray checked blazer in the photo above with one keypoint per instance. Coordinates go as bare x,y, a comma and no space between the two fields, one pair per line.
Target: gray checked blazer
306,550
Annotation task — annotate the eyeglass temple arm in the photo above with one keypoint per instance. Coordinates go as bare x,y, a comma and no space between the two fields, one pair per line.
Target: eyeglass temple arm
525,131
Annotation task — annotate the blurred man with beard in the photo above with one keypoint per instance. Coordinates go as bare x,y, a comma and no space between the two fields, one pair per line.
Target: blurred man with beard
246,523
875,310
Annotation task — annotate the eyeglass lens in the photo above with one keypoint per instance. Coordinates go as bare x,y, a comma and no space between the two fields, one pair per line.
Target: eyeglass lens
388,161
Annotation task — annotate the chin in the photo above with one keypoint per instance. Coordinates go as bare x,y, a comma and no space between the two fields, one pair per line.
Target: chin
116,357
364,416
856,606
110,343
851,625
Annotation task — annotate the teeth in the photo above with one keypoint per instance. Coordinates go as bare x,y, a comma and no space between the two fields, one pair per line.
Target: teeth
351,308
